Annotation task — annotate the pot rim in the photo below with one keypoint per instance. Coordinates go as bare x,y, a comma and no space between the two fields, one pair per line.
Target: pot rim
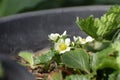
56,10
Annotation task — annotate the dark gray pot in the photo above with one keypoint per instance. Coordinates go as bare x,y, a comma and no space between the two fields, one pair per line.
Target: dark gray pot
13,71
29,31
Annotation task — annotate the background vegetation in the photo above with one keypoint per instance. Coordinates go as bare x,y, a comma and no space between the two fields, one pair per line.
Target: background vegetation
9,7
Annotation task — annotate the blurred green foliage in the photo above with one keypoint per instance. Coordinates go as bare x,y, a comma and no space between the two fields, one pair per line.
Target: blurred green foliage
107,1
48,4
9,7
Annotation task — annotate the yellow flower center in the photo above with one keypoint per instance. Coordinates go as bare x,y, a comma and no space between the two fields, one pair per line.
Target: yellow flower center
62,46
84,40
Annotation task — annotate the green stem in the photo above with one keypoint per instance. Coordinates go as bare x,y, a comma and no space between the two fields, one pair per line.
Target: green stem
86,71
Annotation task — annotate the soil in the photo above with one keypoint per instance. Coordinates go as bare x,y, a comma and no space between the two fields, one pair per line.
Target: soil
40,72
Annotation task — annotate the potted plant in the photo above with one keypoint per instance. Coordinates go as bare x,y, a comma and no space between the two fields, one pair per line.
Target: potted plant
87,58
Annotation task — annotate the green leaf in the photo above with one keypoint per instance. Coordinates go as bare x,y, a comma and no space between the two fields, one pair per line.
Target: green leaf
118,76
97,45
87,25
8,7
55,75
105,52
44,58
105,27
106,63
114,76
116,44
27,56
77,59
104,58
76,77
106,2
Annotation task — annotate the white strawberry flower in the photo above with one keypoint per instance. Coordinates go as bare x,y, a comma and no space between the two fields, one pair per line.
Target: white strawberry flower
89,39
83,40
54,36
78,38
62,45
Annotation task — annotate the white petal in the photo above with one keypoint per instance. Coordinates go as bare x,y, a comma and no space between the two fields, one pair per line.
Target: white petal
77,38
68,49
80,38
56,46
61,41
74,38
61,52
53,36
64,33
83,42
73,43
89,39
67,41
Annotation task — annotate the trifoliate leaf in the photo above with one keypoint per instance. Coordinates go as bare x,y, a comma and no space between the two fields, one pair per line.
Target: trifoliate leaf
44,58
76,77
105,27
104,58
77,59
55,75
27,56
114,76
